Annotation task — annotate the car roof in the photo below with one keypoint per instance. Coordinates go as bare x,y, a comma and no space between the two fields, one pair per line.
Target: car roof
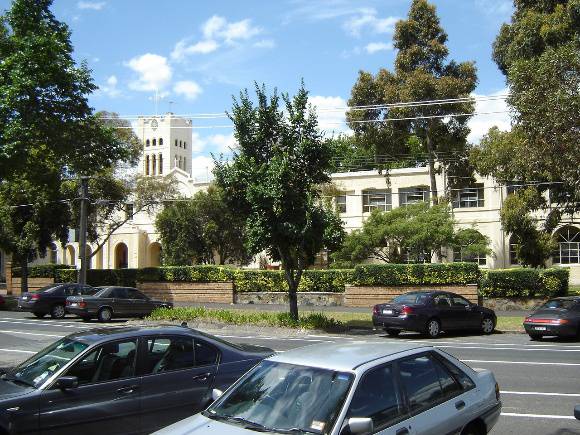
97,335
344,356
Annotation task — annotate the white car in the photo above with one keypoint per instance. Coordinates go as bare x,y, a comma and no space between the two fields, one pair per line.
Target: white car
355,388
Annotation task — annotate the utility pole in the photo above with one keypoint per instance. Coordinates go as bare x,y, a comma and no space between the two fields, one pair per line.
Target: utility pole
83,230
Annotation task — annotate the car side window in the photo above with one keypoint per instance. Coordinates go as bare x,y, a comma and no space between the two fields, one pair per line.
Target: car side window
120,293
165,354
205,354
464,380
87,290
377,397
135,294
71,290
108,362
420,379
458,301
442,301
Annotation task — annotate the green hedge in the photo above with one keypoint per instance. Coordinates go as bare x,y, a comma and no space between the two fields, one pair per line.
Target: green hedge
525,282
42,271
415,274
185,273
332,281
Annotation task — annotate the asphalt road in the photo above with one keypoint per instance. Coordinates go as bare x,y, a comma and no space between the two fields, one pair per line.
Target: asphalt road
540,381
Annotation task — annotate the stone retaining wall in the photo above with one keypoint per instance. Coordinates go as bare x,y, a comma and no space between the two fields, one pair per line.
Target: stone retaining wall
211,292
513,304
321,299
33,284
368,296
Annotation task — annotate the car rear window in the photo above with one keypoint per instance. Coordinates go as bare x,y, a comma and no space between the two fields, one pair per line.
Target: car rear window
559,303
411,298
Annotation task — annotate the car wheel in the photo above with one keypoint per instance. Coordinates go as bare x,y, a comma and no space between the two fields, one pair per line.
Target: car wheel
57,311
39,315
472,429
487,325
105,314
535,337
433,328
393,332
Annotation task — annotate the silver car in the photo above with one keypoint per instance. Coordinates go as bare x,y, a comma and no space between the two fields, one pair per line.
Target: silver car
356,388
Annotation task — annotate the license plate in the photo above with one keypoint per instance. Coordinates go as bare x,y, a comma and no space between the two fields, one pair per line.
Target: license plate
539,328
388,312
24,298
74,304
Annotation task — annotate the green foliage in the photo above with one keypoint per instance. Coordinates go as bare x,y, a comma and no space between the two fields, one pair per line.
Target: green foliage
121,277
273,281
185,274
272,182
201,228
282,320
66,275
524,282
43,271
421,73
415,274
347,156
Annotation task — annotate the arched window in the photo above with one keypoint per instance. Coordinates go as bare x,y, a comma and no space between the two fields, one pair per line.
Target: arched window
147,143
121,256
568,251
154,142
160,163
175,142
147,165
160,141
153,165
179,144
184,145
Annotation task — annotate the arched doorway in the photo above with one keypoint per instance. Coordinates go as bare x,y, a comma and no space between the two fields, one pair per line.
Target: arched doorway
568,250
155,254
71,255
121,256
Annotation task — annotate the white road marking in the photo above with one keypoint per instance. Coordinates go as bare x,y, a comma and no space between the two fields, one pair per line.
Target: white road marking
531,363
33,323
17,351
50,322
535,393
520,349
514,414
30,333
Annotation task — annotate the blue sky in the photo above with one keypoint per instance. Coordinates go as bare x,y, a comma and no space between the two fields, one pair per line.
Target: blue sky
200,53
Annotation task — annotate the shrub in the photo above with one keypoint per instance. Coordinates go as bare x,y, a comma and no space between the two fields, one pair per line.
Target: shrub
66,275
524,282
204,273
332,281
42,271
121,277
415,274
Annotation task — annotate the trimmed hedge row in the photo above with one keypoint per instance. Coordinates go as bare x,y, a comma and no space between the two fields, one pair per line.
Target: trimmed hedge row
416,274
524,282
42,271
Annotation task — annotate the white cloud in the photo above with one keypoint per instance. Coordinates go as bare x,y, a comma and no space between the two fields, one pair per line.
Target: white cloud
331,113
212,26
197,143
218,27
188,88
153,70
480,124
222,143
265,43
95,6
182,50
367,20
201,168
373,47
110,88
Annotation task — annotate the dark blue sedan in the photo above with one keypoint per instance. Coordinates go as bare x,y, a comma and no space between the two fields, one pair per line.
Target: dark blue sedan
125,380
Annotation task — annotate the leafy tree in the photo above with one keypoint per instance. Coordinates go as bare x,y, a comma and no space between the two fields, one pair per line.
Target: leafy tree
415,232
421,73
200,229
272,182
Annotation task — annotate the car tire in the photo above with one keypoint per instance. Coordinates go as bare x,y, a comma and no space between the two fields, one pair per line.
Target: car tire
57,311
487,325
433,328
535,337
105,314
86,318
392,332
39,315
472,429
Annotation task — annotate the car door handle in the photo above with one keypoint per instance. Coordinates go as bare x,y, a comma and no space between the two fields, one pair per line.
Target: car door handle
460,404
402,431
128,390
201,377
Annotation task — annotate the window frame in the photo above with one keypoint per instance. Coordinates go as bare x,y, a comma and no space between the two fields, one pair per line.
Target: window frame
475,188
478,259
368,206
340,203
405,192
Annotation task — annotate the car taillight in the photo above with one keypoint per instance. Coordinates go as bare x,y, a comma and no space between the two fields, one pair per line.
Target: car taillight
376,309
406,310
497,393
35,296
82,304
547,321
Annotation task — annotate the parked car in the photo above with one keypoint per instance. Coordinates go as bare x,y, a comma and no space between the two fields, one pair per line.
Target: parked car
558,316
431,312
52,299
110,302
354,388
577,412
2,301
123,380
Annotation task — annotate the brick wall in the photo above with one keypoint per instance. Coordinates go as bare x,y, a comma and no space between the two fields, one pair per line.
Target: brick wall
33,284
199,292
368,296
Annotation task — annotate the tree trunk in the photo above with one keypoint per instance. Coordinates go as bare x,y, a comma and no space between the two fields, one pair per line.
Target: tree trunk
293,282
432,169
24,274
293,300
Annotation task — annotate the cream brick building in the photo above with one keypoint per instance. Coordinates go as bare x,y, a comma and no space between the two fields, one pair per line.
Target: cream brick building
167,150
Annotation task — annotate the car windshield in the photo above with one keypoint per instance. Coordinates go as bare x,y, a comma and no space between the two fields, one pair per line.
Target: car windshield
558,303
411,298
36,370
285,398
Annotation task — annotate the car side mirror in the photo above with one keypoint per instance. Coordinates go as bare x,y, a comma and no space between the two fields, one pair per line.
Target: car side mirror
359,425
216,394
67,382
577,412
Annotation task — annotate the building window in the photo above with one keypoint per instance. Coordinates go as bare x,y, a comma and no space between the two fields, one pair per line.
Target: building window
513,252
153,165
513,186
179,164
379,199
422,257
341,203
147,165
469,197
147,143
179,144
184,165
413,195
460,255
154,142
160,141
184,145
160,163
568,251
175,142
129,210
175,162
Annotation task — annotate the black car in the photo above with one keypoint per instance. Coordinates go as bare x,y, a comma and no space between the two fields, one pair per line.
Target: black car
111,302
431,312
559,317
124,380
52,299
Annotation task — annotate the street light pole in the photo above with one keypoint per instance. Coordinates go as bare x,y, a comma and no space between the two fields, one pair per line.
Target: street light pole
83,230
